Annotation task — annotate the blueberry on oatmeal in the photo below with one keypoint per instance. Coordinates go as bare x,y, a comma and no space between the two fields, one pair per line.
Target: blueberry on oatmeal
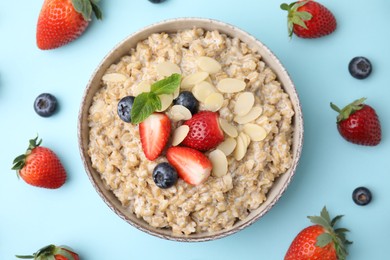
124,108
45,104
187,99
164,175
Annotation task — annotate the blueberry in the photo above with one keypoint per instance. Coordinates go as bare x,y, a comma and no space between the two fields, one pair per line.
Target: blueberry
361,196
156,1
124,108
187,99
360,67
164,175
45,104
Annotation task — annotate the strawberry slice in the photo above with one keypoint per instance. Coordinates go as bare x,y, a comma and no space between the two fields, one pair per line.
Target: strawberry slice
154,132
191,165
205,133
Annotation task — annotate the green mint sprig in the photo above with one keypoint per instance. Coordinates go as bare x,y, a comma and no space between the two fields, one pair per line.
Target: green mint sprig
148,102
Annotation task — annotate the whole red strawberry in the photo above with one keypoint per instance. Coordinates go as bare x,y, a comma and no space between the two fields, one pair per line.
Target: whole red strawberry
358,123
320,241
205,132
62,21
309,19
52,252
40,166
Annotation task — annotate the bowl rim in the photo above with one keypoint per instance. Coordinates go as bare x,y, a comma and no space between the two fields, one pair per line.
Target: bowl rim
298,133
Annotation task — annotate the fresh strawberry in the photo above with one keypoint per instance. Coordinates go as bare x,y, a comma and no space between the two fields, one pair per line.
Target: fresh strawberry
192,166
205,132
320,241
309,19
40,166
53,252
358,123
62,21
154,132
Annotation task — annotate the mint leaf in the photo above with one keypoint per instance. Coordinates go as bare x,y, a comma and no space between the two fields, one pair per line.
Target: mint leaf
144,105
167,85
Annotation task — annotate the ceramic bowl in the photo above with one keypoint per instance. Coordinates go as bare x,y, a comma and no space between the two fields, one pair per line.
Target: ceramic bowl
174,25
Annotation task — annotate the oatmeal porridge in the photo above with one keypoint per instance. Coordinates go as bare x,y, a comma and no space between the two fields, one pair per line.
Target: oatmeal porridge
227,77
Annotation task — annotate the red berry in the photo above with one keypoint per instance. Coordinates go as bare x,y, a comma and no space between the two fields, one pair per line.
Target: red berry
205,132
154,133
309,19
40,167
60,23
191,165
358,123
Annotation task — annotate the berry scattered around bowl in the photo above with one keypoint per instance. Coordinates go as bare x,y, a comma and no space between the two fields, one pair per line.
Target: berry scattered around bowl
187,99
156,1
164,175
45,104
124,108
362,196
360,67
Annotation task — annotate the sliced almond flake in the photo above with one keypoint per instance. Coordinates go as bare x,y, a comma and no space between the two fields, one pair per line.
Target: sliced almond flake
208,64
214,102
255,132
167,68
227,146
240,150
219,162
254,113
244,103
202,90
179,112
231,85
245,138
189,81
228,128
143,86
166,101
180,133
114,78
176,93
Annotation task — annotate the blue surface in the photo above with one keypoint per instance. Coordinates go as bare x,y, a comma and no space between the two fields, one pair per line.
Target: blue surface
329,170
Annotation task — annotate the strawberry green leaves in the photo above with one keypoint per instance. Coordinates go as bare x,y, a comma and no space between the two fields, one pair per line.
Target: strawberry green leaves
86,7
148,102
295,16
348,110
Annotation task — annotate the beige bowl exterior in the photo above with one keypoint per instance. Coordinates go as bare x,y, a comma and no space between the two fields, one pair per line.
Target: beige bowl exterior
174,25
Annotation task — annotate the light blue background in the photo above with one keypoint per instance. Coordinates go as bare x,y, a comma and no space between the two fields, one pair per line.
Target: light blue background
329,170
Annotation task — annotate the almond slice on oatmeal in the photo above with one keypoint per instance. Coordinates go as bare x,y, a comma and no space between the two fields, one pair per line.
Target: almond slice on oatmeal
180,133
214,102
227,146
179,112
167,68
246,139
202,90
228,128
255,132
166,101
176,93
189,81
219,162
143,86
253,114
244,103
114,78
208,64
231,85
241,148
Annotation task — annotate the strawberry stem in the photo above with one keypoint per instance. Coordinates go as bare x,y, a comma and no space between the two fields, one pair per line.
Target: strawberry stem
295,17
348,109
20,161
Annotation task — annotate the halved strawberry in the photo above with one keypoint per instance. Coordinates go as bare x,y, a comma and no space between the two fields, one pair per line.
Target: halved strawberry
154,132
205,133
192,166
